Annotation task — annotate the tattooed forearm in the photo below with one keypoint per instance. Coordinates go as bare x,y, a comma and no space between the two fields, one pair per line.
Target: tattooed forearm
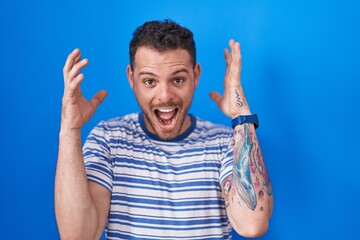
239,104
241,169
259,165
250,178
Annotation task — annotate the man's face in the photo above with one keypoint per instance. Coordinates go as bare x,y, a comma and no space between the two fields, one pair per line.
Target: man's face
164,84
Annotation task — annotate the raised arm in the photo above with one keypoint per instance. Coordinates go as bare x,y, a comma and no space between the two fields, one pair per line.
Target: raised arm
247,191
81,207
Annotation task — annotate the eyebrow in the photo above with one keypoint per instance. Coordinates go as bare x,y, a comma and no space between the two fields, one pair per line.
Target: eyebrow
147,73
172,74
180,71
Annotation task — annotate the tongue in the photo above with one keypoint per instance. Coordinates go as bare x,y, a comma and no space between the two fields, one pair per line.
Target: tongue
166,117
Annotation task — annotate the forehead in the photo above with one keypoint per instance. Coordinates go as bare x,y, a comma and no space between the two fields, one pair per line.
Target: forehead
146,57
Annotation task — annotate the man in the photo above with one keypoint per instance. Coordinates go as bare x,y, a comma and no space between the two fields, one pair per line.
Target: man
162,173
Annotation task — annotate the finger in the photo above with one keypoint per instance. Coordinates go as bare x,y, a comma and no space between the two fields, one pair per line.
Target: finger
239,48
227,57
215,96
76,69
236,50
98,98
228,63
70,60
240,58
231,43
74,85
231,70
235,67
78,58
237,58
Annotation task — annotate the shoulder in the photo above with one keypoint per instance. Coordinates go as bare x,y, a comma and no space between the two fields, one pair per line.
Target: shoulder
126,123
118,130
126,120
212,128
209,132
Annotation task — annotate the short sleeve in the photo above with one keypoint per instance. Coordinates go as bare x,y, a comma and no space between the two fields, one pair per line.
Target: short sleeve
97,156
227,162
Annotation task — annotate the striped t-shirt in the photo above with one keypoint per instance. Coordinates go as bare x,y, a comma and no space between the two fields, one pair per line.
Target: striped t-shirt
161,189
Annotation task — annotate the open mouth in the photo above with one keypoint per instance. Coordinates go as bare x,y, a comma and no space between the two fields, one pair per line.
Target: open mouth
167,116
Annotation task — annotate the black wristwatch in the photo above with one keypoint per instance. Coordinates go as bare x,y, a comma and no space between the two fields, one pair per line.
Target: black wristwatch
245,119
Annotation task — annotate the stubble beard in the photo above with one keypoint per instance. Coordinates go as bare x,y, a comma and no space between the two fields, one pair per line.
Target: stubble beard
181,112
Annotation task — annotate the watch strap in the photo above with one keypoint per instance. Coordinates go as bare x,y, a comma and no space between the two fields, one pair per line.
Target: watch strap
241,119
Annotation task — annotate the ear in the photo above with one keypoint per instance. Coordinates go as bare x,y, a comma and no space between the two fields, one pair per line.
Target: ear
197,72
130,76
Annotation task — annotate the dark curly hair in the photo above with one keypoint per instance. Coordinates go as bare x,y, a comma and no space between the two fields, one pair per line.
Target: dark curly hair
162,36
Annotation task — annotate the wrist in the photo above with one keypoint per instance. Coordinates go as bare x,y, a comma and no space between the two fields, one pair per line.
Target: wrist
71,132
70,127
241,119
243,111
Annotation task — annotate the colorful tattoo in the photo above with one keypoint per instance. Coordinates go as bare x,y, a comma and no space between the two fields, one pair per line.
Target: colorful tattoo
261,195
241,169
260,166
249,172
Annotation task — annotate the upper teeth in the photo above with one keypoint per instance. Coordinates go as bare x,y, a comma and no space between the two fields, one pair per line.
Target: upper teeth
166,110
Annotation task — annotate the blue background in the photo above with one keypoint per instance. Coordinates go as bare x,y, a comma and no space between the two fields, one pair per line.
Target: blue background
300,73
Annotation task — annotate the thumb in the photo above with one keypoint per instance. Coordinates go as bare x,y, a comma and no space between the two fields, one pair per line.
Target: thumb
98,98
215,96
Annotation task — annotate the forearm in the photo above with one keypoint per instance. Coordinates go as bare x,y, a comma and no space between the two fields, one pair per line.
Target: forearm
75,211
247,192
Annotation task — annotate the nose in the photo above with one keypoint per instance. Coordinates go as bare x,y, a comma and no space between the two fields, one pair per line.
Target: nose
165,93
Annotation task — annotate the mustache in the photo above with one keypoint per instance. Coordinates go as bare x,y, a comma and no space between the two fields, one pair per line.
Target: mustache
167,105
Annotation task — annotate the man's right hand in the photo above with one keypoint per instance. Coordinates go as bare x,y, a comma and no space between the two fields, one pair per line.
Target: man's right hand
76,109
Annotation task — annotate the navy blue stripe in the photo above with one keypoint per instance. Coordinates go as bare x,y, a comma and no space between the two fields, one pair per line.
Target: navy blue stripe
99,140
192,209
101,168
168,217
165,184
167,202
169,223
162,227
164,198
89,153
